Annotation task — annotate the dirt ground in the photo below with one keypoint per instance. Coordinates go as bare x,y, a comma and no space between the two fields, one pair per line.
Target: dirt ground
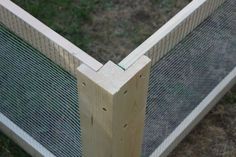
215,135
107,29
120,29
111,29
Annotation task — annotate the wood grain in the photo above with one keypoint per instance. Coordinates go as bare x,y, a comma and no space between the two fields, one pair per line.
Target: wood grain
112,109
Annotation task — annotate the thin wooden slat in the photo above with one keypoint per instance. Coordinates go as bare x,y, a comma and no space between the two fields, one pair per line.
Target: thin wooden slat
195,116
183,23
23,24
22,138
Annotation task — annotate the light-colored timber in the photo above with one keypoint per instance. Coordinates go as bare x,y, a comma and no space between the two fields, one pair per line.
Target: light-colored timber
22,138
44,39
196,116
176,29
112,98
112,108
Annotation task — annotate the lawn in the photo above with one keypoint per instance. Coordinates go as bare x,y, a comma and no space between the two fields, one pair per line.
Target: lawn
105,29
9,148
110,29
214,136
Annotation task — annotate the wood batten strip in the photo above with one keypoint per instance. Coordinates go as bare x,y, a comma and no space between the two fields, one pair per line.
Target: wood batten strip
168,36
45,40
195,116
183,29
23,139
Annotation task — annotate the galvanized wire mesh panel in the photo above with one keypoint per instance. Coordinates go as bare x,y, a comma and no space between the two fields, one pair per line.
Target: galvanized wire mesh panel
174,31
42,99
183,29
58,49
38,96
183,78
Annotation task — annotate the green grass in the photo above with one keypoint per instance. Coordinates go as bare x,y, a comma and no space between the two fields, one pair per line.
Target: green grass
9,148
65,16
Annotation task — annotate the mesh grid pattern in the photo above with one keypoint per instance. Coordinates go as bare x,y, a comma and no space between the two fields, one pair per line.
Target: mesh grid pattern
184,77
42,99
39,96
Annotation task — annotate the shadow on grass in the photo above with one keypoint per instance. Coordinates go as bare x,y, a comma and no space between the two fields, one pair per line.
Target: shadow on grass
9,149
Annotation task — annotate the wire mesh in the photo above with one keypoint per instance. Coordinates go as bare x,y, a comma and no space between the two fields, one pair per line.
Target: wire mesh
42,99
39,96
184,77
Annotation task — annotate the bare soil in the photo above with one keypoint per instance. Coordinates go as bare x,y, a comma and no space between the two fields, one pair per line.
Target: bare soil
215,135
113,32
118,30
107,29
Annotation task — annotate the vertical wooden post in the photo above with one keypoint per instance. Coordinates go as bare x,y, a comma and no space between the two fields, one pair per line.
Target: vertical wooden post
112,105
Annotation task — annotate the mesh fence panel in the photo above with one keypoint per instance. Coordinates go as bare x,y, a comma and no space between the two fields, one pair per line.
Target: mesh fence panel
183,78
39,96
42,99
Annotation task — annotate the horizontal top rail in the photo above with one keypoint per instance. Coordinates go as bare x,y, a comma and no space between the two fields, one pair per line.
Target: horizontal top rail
173,31
43,38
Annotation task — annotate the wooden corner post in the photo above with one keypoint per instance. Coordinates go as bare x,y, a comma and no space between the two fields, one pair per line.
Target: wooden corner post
112,105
